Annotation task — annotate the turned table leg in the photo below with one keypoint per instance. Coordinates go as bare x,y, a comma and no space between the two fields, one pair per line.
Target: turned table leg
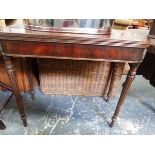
30,77
130,77
15,87
112,80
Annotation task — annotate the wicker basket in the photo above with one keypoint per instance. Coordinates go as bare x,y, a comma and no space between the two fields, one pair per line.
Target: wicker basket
75,77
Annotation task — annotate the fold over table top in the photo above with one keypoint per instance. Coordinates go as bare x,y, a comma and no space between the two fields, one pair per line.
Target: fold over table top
120,38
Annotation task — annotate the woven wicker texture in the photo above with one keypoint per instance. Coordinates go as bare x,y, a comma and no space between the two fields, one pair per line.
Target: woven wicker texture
75,77
117,72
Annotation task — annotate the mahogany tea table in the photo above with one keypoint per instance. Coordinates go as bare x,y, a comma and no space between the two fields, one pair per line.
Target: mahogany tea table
124,46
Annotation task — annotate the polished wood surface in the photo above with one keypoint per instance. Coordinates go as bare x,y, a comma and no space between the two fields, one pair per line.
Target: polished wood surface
117,47
71,51
121,46
128,38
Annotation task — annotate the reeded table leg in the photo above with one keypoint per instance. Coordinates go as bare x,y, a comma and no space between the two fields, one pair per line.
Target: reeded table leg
15,88
113,74
28,66
126,86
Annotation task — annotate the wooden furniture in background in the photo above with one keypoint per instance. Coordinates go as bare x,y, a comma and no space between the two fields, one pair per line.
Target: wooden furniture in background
24,71
26,79
25,68
21,74
119,46
121,24
147,67
2,75
3,105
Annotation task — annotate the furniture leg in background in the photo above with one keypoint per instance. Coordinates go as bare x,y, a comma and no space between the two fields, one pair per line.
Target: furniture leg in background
130,77
111,82
3,105
117,69
15,87
28,67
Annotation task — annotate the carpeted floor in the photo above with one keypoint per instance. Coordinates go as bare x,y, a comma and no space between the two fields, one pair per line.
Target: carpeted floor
70,115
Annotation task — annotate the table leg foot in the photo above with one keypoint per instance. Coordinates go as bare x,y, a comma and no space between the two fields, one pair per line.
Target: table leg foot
113,121
15,87
126,87
108,99
2,125
24,122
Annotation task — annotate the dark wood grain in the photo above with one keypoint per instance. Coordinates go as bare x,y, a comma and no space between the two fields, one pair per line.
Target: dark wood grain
117,38
71,51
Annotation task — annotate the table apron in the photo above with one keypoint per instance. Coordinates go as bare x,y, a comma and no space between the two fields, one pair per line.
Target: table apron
71,51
